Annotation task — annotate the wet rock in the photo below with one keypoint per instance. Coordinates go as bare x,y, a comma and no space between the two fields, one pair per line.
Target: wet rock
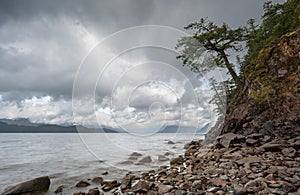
134,156
126,162
126,182
78,193
162,158
146,159
169,154
140,187
164,188
98,180
94,191
59,189
230,138
82,184
36,185
170,142
177,161
109,185
105,173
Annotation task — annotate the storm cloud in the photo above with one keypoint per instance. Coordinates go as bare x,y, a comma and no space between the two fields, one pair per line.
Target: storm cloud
43,44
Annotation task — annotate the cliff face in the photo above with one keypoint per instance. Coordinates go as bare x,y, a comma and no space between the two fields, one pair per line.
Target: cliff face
269,103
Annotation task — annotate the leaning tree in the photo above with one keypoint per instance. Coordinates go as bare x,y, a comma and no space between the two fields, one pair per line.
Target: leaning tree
211,40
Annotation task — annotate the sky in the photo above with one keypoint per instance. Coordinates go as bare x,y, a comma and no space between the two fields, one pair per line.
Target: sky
108,63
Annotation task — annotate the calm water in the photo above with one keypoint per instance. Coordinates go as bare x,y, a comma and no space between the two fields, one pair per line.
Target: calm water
68,158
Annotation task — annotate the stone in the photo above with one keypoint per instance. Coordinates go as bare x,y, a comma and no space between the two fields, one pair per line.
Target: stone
220,192
94,191
287,187
162,158
141,186
213,189
256,182
230,138
170,142
197,185
251,142
249,160
126,182
126,162
59,189
180,192
146,159
271,147
40,184
98,180
105,173
177,161
82,184
232,156
109,185
218,182
214,171
288,152
169,154
162,189
136,154
78,193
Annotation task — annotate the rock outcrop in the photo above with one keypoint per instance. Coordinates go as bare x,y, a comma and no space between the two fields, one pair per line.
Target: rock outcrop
269,103
31,187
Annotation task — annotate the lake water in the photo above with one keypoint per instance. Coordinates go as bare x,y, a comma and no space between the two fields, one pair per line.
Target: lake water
68,158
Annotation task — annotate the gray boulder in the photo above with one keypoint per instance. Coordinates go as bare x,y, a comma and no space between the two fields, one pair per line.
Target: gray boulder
34,186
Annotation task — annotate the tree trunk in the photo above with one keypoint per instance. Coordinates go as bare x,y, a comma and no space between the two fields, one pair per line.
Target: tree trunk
230,69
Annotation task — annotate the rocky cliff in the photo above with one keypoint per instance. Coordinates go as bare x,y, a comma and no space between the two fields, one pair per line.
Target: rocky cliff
269,103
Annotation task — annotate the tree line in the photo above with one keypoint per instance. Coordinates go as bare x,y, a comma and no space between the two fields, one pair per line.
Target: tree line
210,45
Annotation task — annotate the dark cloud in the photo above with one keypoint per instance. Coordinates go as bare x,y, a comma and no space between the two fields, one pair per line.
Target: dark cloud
42,43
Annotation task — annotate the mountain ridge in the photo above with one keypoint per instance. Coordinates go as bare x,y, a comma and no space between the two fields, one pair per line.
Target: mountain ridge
25,126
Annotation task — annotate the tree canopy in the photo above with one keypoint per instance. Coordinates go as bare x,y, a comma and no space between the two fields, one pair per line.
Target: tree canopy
210,45
277,20
209,38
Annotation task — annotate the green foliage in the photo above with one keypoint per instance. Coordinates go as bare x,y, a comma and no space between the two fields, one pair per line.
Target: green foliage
278,19
210,44
224,92
207,48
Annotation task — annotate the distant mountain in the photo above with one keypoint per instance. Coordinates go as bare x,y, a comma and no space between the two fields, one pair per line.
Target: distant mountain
19,122
182,129
25,126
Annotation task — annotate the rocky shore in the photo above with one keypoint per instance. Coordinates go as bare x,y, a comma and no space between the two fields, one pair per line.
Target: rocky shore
234,164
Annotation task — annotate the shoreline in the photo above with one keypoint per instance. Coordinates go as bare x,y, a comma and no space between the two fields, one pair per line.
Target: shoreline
235,164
